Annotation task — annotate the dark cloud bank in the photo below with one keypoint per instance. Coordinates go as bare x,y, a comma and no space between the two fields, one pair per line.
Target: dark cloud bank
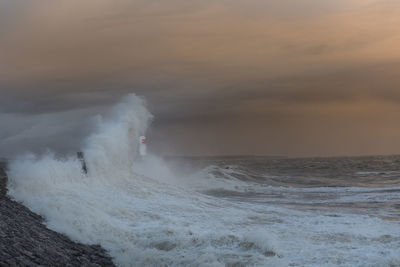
264,77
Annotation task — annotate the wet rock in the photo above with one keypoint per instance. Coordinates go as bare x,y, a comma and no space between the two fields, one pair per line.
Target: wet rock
3,180
25,240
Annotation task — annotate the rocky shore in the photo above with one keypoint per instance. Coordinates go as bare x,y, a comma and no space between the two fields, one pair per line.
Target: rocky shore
25,240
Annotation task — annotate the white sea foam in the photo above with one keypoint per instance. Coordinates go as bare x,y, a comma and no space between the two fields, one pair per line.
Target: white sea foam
145,216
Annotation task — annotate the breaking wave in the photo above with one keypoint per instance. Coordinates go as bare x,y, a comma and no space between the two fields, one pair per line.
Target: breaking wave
140,220
144,215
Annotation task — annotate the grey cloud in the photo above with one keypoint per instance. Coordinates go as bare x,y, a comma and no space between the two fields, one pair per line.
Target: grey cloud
289,74
61,132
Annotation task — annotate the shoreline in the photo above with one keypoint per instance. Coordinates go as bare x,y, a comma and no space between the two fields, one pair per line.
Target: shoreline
26,241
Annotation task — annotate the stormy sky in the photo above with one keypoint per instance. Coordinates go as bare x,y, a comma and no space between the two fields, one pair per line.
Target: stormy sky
261,77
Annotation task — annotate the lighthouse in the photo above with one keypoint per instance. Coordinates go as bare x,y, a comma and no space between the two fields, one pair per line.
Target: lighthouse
142,146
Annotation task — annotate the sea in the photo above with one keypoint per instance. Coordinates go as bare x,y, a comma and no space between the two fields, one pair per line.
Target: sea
213,211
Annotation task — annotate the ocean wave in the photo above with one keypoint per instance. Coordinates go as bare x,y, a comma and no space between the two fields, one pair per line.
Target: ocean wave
144,215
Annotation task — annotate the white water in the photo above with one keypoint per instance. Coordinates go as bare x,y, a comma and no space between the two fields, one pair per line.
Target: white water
145,216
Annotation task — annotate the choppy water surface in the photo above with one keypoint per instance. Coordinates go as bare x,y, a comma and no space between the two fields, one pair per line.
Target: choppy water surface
363,185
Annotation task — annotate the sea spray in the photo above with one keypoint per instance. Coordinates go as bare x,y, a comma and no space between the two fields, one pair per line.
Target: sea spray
144,216
114,143
136,210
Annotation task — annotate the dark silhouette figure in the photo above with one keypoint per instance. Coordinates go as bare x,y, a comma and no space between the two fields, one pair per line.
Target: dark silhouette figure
82,160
